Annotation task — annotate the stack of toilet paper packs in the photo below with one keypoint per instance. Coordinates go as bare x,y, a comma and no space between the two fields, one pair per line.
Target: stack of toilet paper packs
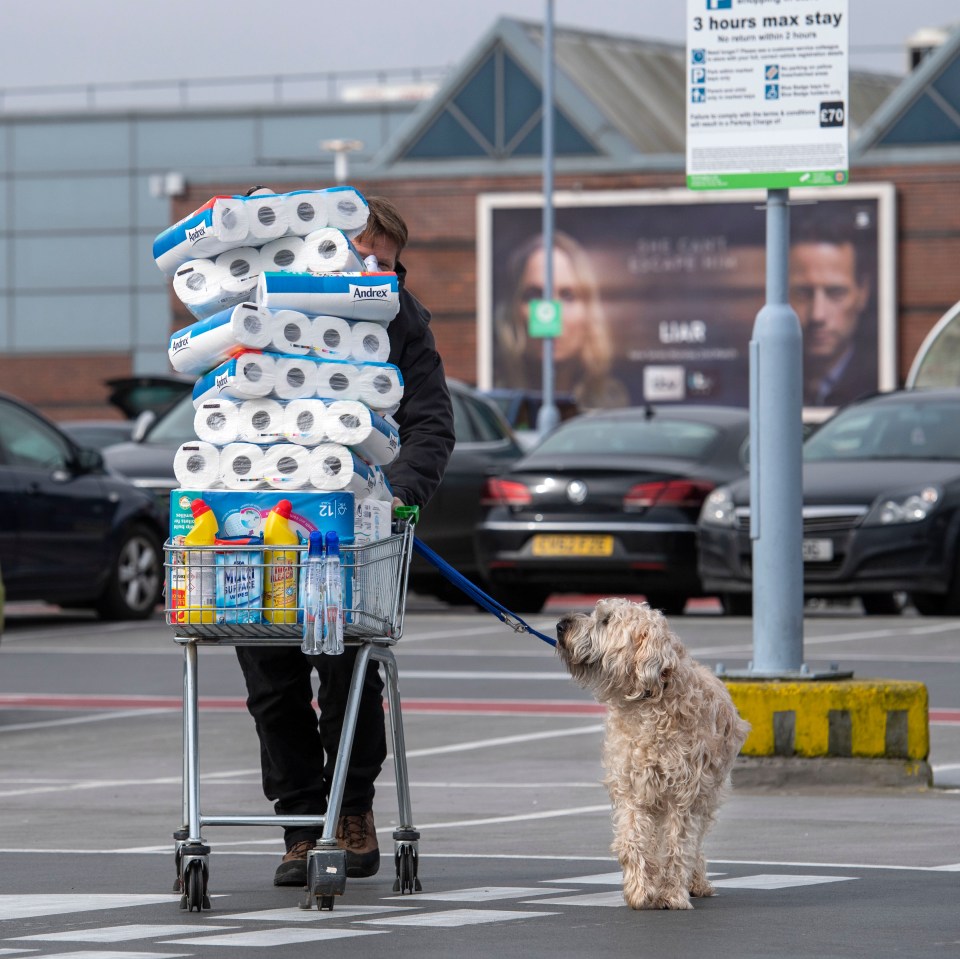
290,345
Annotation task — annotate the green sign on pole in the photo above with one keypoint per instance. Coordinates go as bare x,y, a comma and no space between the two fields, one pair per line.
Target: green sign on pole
544,318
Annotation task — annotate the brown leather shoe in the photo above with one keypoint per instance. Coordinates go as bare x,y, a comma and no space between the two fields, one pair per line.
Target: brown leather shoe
292,870
358,836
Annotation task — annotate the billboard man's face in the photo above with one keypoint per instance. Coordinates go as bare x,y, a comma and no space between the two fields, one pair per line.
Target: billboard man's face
827,297
566,289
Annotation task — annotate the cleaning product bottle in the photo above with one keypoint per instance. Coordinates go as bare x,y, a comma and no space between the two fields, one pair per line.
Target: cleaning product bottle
197,601
333,600
311,590
280,572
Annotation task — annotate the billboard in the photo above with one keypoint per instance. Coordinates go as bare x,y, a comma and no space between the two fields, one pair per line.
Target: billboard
659,290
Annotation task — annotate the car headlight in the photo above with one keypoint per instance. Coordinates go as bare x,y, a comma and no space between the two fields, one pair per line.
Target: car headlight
718,509
910,507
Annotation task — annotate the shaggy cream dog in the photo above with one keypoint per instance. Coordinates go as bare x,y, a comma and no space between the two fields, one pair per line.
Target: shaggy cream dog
672,735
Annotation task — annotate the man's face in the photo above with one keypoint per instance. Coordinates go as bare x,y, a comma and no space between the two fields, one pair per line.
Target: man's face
383,248
825,292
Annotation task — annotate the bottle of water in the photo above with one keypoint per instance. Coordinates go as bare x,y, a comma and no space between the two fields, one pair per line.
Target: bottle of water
312,591
333,602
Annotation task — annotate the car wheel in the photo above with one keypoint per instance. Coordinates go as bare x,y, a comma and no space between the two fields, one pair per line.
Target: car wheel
670,604
136,577
929,604
737,604
521,599
882,604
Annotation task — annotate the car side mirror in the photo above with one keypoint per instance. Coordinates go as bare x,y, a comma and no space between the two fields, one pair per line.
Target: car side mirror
89,460
142,424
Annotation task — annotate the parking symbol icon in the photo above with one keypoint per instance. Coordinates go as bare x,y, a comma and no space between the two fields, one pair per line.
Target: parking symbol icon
698,75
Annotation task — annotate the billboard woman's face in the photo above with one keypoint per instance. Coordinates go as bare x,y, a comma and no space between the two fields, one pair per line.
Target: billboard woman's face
567,289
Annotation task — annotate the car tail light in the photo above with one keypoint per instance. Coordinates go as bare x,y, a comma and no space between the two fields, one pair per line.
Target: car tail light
504,492
686,494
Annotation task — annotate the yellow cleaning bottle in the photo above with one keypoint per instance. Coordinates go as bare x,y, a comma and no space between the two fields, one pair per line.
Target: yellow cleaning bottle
196,599
280,574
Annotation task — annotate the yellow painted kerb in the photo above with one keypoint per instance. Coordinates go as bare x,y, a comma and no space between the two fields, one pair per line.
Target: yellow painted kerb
867,701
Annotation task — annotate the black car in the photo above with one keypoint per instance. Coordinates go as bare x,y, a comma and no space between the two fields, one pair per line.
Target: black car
71,533
485,444
608,502
881,509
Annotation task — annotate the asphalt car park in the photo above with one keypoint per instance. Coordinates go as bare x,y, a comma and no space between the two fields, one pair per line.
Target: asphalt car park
881,510
608,502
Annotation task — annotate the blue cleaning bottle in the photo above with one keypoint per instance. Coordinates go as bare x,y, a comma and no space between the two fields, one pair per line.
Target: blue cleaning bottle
312,591
333,599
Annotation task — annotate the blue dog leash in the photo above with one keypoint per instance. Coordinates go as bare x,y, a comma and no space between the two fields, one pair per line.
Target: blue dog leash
476,594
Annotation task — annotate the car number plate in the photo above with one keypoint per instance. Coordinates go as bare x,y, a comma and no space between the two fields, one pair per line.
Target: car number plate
817,550
572,545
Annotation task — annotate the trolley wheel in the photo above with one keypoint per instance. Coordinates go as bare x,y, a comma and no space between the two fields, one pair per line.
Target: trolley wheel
406,858
325,902
195,887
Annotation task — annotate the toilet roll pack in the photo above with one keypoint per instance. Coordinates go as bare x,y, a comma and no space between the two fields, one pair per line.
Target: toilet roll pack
200,347
227,222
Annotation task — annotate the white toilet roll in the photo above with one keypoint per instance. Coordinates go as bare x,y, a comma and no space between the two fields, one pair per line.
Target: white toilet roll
241,466
221,223
305,422
327,251
267,217
217,422
280,254
306,211
347,209
380,386
197,465
286,466
260,421
198,281
245,376
332,338
368,434
369,342
241,269
354,296
337,380
201,346
295,378
292,333
333,467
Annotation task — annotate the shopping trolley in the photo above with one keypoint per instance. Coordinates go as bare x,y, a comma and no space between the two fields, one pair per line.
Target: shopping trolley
374,598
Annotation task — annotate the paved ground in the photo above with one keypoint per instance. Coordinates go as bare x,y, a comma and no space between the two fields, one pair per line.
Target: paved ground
504,764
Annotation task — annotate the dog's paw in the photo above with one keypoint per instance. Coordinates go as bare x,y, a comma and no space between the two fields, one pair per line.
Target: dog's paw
700,890
675,901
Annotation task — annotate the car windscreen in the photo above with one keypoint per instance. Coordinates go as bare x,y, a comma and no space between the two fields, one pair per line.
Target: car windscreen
176,426
884,431
680,439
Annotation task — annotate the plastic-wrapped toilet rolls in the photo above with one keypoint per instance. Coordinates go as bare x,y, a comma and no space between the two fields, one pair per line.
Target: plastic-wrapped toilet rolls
241,269
221,223
333,467
267,217
286,466
306,211
368,434
337,380
197,465
295,378
354,296
241,466
201,346
328,251
245,376
347,209
305,422
380,386
199,286
217,422
280,254
292,332
332,338
369,342
260,421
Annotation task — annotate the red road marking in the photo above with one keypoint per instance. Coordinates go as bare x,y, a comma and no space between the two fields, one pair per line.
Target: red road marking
475,707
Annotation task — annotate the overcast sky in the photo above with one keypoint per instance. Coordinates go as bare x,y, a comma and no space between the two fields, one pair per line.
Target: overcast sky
89,41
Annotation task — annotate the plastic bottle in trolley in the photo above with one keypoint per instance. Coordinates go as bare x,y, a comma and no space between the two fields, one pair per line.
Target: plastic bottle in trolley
280,574
311,591
332,594
196,598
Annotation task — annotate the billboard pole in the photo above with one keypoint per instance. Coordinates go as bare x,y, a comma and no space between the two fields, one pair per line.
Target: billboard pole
548,415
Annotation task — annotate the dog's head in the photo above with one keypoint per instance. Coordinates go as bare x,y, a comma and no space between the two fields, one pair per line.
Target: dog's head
622,651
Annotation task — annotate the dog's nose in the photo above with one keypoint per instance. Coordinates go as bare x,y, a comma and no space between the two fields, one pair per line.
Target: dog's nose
562,626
